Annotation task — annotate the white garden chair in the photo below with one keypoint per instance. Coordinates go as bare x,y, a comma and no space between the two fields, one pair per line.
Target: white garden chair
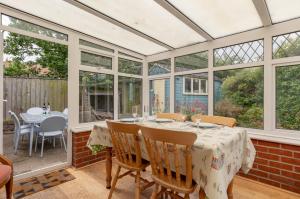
52,127
35,111
20,130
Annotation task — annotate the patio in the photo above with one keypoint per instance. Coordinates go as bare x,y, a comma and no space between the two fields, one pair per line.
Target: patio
203,95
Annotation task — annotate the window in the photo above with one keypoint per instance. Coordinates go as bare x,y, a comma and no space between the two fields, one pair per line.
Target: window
93,45
24,25
287,45
191,62
239,93
159,96
96,96
190,99
130,96
159,67
194,86
94,60
243,53
288,97
130,67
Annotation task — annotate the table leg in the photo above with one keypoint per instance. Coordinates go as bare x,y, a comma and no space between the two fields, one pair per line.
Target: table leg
202,194
229,190
108,167
31,140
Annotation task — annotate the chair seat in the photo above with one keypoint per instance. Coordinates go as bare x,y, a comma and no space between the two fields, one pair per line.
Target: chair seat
5,172
25,131
50,134
173,185
26,126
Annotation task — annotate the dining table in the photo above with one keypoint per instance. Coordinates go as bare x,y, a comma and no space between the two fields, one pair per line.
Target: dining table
34,120
218,154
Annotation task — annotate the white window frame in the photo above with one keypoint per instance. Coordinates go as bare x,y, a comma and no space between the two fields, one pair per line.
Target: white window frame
192,86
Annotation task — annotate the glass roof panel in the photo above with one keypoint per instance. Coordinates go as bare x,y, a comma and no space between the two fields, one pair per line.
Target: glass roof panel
149,18
220,18
63,13
283,10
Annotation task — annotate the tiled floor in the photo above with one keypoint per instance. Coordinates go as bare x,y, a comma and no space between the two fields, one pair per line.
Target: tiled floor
90,184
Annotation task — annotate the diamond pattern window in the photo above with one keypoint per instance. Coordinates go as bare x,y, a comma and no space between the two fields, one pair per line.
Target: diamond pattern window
242,53
287,45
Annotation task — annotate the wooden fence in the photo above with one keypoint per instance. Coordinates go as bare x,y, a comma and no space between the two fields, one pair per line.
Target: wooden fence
23,93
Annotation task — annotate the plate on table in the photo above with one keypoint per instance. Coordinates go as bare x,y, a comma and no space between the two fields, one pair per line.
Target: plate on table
128,120
163,120
204,125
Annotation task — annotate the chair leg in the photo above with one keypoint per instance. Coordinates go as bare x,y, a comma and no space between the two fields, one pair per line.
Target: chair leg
36,141
54,142
17,143
113,186
138,185
186,196
154,193
42,149
63,138
61,144
8,187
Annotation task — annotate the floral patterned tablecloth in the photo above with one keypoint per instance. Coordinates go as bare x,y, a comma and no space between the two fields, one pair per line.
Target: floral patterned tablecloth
218,153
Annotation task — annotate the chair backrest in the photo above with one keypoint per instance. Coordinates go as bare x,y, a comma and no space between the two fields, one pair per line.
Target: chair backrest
125,140
35,111
174,116
65,111
53,123
227,121
166,145
16,121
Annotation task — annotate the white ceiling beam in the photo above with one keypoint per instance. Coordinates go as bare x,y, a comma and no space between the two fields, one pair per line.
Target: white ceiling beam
262,9
117,23
187,21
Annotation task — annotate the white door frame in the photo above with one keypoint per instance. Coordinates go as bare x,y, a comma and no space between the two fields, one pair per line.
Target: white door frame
1,90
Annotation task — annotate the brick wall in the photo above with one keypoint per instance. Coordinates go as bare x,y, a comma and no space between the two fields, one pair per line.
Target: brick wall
82,155
276,164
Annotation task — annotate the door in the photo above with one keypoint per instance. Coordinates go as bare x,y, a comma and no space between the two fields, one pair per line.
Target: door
2,101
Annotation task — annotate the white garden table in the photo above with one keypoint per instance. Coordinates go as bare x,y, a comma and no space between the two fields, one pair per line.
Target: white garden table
218,154
37,119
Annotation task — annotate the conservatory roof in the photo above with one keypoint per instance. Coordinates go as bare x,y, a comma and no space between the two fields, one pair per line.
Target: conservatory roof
153,26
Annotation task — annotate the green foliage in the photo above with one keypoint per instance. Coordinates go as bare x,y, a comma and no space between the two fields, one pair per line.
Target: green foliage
242,96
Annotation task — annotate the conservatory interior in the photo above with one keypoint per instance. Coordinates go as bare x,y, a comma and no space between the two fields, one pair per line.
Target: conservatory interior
193,99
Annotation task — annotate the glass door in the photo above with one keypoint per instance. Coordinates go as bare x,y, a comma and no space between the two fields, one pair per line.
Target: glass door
2,100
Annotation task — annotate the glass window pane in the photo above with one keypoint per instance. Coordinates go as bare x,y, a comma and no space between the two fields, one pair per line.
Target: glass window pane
65,14
150,18
24,25
159,67
187,85
239,94
191,62
220,18
283,10
243,53
204,86
130,96
190,103
159,96
196,83
130,67
287,45
288,97
96,96
90,59
93,45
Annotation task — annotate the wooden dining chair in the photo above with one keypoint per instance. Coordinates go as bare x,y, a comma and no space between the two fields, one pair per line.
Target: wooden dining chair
6,175
166,149
174,116
125,140
227,121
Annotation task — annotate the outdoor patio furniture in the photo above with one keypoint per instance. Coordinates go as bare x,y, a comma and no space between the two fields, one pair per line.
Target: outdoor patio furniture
33,120
35,111
66,111
174,116
6,175
50,128
162,145
128,153
227,121
19,130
